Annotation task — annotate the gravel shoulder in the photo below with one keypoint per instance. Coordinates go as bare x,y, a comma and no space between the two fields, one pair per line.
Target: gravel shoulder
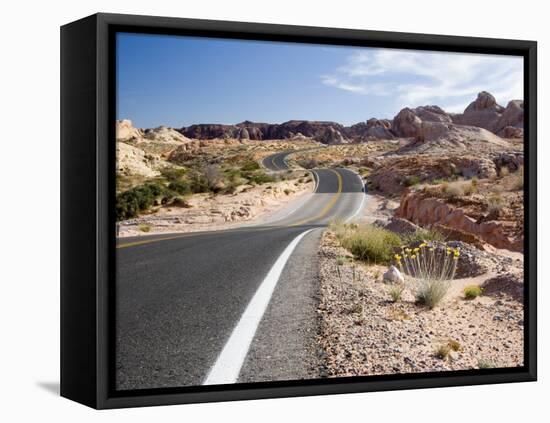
363,333
285,346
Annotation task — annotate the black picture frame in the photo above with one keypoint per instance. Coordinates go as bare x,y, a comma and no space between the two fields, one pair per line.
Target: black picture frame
87,211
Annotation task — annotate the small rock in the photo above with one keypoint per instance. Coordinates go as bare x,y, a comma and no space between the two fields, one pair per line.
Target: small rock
393,275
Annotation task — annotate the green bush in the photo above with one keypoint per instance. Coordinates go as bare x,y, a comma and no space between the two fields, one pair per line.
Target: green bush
179,187
250,166
198,183
260,178
472,291
369,242
173,174
140,198
412,180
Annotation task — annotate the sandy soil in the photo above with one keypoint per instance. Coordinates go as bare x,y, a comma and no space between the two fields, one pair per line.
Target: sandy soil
364,333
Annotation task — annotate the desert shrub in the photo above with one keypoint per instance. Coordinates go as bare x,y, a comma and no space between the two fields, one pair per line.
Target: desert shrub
470,187
213,177
431,292
472,291
173,173
130,203
423,235
454,189
504,171
442,351
197,182
412,180
485,364
145,228
260,177
495,202
249,166
369,243
396,291
454,345
287,191
179,187
431,268
517,181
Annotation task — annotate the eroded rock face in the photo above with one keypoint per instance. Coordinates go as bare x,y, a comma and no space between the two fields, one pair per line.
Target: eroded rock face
379,129
432,114
331,136
513,160
427,211
486,113
265,131
132,161
164,134
407,124
512,117
125,130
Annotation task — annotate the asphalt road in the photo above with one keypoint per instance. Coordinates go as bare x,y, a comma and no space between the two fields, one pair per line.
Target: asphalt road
191,307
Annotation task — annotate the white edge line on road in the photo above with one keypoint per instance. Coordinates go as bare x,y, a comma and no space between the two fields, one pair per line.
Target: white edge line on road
228,365
363,199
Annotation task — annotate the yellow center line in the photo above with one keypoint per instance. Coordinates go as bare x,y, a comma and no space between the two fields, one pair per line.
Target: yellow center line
328,206
148,241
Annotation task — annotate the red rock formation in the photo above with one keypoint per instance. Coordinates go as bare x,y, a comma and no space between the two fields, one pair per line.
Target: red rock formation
427,211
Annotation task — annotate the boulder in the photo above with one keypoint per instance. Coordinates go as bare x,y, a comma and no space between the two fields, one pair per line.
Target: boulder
406,124
401,226
432,114
393,275
512,117
483,112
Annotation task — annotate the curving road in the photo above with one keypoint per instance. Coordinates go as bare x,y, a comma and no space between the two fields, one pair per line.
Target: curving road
227,306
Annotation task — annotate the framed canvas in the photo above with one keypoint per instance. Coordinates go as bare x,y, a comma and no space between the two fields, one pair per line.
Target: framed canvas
257,211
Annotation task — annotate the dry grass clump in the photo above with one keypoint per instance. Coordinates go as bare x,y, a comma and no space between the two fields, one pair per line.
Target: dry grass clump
485,364
517,179
423,235
495,202
396,291
367,242
442,351
145,228
458,189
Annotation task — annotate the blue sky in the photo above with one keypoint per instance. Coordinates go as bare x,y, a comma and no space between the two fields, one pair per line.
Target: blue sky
178,81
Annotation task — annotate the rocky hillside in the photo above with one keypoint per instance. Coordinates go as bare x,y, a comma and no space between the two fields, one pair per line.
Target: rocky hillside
326,132
421,123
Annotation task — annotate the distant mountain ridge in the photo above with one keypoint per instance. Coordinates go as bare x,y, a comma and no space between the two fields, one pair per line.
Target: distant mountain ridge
419,123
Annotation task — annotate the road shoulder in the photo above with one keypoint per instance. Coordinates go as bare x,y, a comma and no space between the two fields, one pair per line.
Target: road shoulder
285,346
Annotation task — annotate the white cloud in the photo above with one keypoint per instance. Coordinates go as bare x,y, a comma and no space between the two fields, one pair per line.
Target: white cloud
415,78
